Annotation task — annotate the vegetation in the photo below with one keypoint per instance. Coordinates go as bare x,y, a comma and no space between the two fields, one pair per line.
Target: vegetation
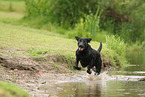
12,6
9,90
119,47
115,17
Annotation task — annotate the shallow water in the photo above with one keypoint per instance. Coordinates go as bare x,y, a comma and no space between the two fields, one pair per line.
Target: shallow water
102,89
125,85
137,60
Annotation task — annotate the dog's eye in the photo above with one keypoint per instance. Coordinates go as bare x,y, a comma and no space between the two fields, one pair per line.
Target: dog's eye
80,40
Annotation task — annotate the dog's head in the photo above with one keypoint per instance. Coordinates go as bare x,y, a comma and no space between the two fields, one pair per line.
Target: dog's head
82,42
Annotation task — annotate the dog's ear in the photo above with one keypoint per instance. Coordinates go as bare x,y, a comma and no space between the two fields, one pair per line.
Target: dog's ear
77,38
89,39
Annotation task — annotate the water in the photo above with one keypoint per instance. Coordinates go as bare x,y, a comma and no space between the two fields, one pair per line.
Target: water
126,85
137,59
137,67
103,89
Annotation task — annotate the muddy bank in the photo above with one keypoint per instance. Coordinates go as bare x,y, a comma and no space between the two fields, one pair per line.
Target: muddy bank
29,74
36,76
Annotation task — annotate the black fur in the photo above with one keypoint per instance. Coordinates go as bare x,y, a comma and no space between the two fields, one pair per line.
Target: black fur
87,56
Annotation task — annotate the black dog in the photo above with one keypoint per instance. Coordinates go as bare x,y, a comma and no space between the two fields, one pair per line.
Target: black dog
87,56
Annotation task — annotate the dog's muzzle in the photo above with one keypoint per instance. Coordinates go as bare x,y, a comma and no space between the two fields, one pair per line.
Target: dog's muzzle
81,48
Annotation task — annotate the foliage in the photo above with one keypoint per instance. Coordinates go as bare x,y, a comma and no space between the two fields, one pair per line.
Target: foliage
12,6
92,23
64,12
37,8
118,46
9,90
118,17
89,26
124,18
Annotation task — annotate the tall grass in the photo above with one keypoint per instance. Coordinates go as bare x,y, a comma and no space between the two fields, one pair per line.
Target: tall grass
119,47
116,44
89,26
92,23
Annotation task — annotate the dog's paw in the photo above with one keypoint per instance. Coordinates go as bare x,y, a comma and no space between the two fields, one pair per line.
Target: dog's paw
78,68
98,73
88,71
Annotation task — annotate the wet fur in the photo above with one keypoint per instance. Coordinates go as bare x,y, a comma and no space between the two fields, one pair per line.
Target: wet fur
87,56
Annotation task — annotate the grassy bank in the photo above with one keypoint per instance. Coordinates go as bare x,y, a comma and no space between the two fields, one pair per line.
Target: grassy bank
9,90
36,40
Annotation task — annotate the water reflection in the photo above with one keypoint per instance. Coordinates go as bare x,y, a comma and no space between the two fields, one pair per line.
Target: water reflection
137,59
81,89
102,89
87,90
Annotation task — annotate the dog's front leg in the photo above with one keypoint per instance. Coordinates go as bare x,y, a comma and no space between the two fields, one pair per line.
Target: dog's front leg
89,71
76,65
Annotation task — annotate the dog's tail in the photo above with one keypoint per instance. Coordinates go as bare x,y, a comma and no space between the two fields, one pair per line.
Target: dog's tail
100,48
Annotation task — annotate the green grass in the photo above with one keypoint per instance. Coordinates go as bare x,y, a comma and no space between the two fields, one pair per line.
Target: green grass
35,41
12,6
9,90
10,17
11,11
29,39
